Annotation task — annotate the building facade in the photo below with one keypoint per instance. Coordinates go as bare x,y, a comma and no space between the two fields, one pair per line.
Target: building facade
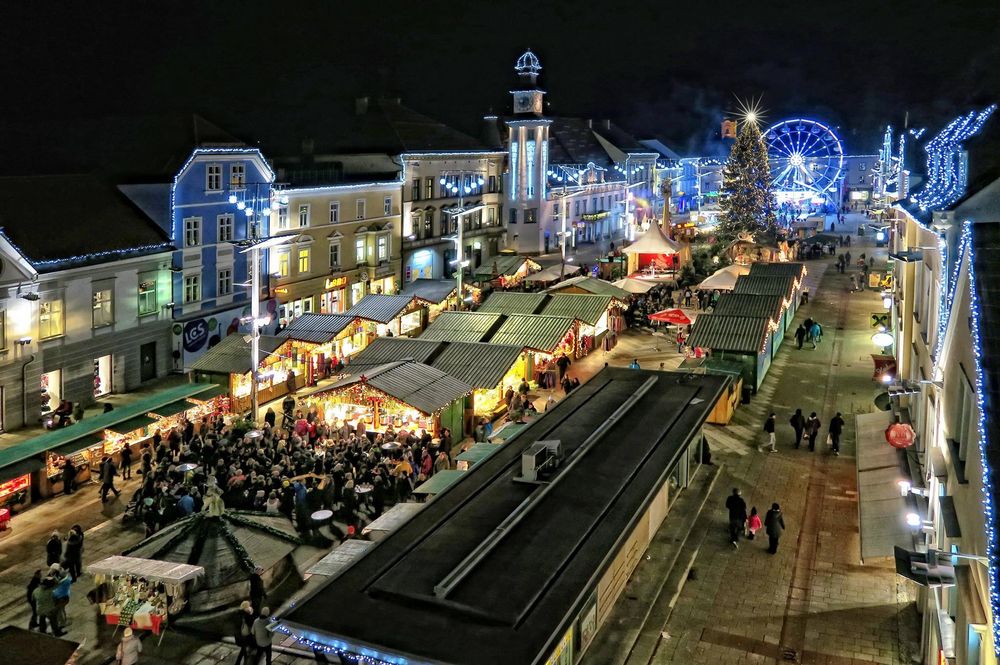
343,243
84,309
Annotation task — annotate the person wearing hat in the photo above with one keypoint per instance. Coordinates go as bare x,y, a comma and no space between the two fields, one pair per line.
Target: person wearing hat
128,649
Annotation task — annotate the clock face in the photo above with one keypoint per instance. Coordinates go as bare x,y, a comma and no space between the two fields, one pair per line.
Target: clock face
524,103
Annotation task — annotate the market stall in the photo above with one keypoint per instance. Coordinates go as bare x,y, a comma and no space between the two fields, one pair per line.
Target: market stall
320,342
383,315
597,315
463,326
744,340
748,249
654,256
724,279
545,338
437,295
771,308
143,593
729,401
402,395
505,271
785,286
585,284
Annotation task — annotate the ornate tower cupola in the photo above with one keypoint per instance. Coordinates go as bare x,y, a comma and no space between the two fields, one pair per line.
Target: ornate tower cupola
528,98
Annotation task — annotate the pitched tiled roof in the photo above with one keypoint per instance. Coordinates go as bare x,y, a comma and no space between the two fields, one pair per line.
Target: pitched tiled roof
232,355
382,350
316,328
540,333
379,307
429,290
479,365
796,270
514,302
745,304
462,326
503,265
729,333
769,285
584,307
420,386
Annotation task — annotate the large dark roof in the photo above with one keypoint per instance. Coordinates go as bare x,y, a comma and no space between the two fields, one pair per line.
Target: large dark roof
420,386
516,602
572,141
66,221
618,137
749,305
719,332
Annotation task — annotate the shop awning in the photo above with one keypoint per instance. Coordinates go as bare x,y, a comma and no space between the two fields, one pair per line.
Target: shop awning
173,408
21,468
132,424
477,453
480,365
439,482
881,509
167,572
76,445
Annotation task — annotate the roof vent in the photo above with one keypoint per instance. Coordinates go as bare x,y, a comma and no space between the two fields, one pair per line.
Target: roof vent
540,461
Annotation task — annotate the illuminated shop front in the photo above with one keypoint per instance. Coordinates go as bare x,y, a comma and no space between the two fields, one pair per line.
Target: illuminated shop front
333,300
382,315
506,271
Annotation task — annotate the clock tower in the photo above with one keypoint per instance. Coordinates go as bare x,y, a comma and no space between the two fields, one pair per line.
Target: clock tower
528,158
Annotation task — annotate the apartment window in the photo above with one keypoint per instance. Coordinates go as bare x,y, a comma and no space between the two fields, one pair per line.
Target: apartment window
359,209
50,318
147,296
192,288
334,254
359,250
192,231
429,224
531,216
304,215
491,216
428,188
334,212
283,264
304,260
491,184
104,314
238,175
513,215
382,248
283,218
225,228
415,190
213,177
225,282
387,206
576,209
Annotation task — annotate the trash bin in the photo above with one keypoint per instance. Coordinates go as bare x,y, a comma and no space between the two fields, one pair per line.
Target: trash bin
746,394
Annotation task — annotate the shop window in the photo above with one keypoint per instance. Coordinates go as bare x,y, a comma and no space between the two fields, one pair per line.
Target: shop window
103,308
147,296
192,288
303,261
50,318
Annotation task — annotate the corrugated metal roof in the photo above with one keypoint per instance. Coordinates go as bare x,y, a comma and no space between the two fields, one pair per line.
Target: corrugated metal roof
379,307
718,332
461,326
232,355
423,387
316,328
429,290
514,302
384,350
479,365
746,304
593,285
531,331
796,270
504,265
765,285
584,307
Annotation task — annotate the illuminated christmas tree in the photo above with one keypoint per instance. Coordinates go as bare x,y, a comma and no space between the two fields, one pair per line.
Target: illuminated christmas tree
747,198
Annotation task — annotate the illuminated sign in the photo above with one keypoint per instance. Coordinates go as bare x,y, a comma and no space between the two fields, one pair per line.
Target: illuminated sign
594,216
335,283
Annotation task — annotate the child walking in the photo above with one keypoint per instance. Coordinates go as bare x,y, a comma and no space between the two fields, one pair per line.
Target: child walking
753,523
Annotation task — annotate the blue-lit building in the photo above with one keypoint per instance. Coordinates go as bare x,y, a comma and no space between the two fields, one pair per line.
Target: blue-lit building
220,198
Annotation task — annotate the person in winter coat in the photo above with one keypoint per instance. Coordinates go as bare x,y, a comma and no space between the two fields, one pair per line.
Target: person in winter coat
798,423
800,336
262,636
61,591
244,632
53,549
774,525
128,649
69,476
812,430
257,592
836,429
45,605
108,473
753,523
769,435
737,508
74,552
36,580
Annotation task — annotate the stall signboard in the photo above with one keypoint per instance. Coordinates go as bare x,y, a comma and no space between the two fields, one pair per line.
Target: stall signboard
900,435
14,485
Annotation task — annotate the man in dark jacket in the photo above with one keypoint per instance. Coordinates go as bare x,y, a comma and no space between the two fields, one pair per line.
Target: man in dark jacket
53,549
563,363
798,423
126,463
800,336
769,435
812,430
108,473
836,429
737,508
774,525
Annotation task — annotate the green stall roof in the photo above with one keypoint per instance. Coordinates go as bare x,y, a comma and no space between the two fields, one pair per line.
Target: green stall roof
439,482
96,425
76,445
477,453
132,424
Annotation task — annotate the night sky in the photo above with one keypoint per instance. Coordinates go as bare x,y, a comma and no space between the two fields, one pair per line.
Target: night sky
669,69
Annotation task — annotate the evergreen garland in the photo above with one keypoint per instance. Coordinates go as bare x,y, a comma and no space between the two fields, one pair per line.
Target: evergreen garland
238,518
747,197
244,557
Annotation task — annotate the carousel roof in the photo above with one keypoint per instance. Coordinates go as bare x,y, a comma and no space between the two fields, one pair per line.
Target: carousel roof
228,546
654,241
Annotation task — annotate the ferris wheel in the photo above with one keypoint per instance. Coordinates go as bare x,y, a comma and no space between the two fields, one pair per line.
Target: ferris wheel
806,157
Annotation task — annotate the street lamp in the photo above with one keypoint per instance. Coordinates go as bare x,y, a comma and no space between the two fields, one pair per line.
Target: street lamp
461,183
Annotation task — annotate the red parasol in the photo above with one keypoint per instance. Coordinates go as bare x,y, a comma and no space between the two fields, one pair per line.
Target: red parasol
674,316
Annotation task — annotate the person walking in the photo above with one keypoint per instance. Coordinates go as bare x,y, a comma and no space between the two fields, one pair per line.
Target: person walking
53,549
737,508
798,423
812,430
800,336
816,333
33,584
128,649
768,435
126,463
108,473
753,523
836,429
257,592
563,363
774,525
262,636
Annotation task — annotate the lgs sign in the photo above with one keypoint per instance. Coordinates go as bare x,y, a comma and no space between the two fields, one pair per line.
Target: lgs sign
195,335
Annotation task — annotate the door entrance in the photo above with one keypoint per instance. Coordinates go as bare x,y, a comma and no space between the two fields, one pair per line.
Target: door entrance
147,362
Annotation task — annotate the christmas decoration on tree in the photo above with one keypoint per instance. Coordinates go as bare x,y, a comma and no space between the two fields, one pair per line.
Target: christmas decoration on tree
747,198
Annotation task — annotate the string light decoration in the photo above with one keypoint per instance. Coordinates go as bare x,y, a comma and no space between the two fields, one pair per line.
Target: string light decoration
988,489
342,649
947,171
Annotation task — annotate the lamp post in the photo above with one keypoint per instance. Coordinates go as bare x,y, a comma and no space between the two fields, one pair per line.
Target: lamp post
461,182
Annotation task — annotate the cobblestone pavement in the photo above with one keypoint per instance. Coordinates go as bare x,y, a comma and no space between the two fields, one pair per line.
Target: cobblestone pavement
813,602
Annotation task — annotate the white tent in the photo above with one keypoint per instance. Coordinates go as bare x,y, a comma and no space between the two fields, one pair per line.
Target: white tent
634,285
724,279
653,241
